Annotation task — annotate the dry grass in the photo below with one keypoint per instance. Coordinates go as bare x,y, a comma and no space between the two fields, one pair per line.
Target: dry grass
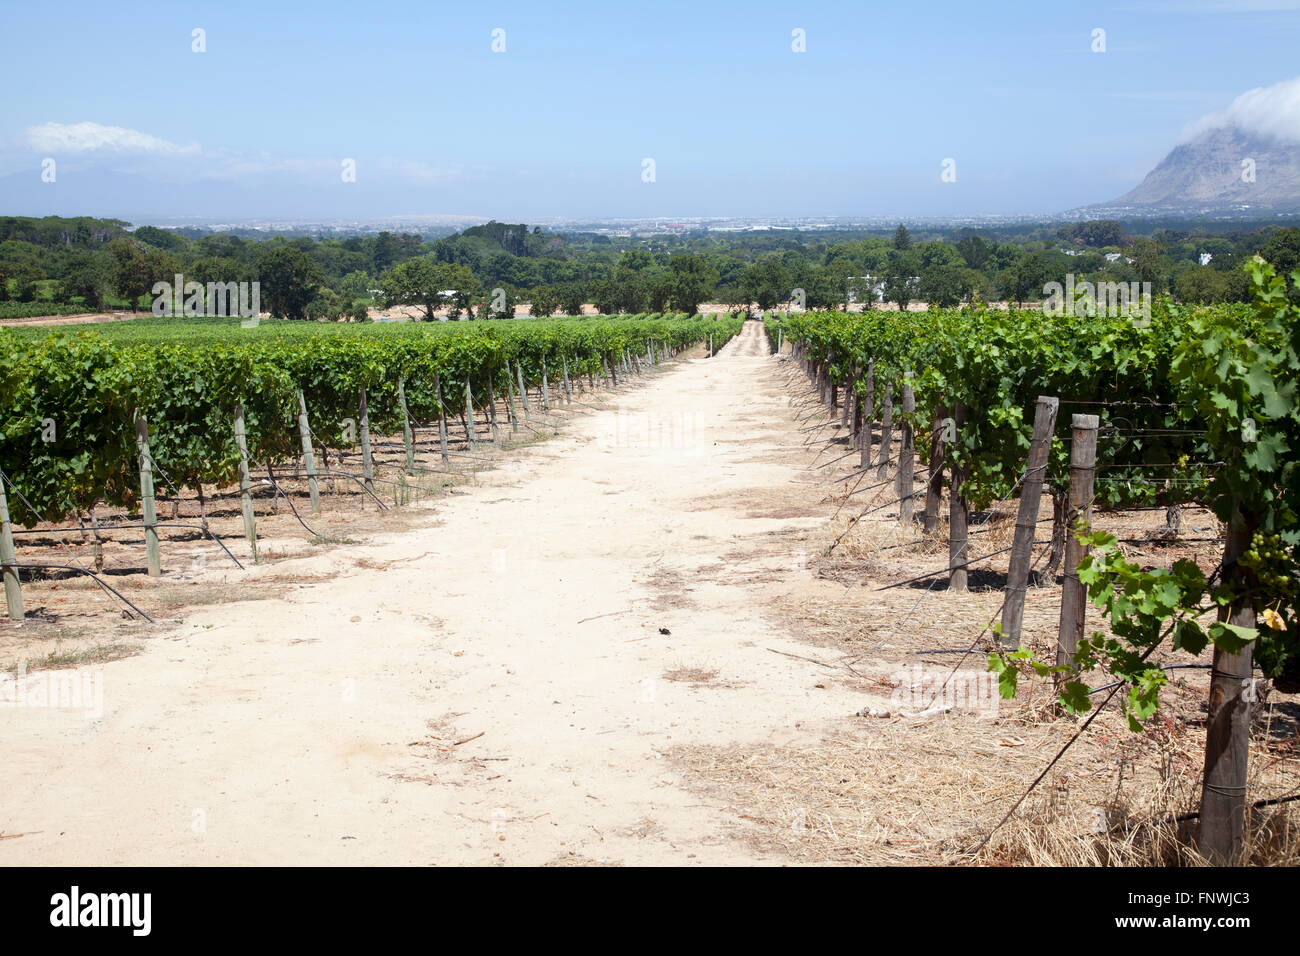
914,791
898,790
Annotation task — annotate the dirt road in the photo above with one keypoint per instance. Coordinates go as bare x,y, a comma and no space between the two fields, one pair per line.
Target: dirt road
500,687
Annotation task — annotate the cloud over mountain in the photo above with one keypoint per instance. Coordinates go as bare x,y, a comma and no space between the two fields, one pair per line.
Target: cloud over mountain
1271,112
94,137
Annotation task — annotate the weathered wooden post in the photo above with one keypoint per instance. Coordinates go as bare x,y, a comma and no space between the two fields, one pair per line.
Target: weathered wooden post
886,432
852,406
510,392
308,455
1074,596
492,409
868,412
367,456
523,392
568,396
153,554
1222,829
442,421
408,439
1022,547
245,482
469,417
546,388
9,559
903,478
934,484
958,513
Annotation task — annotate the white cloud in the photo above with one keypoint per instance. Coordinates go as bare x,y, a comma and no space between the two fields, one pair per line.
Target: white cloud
92,137
1265,111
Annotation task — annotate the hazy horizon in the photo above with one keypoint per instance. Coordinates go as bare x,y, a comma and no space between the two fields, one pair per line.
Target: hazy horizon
560,122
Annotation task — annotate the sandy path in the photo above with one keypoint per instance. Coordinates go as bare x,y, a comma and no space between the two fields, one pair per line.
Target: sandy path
321,728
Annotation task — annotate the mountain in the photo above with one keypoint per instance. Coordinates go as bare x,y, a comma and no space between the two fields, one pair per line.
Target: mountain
1241,160
1223,168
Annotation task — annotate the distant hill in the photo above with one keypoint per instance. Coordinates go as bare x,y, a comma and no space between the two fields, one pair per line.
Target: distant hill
1209,171
1242,160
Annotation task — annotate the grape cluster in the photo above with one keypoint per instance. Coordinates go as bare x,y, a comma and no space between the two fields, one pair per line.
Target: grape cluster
1273,563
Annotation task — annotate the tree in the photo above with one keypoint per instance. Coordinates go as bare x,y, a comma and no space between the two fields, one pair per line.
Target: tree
659,289
359,312
136,269
975,251
460,281
766,283
942,286
900,279
692,280
326,306
543,302
289,281
863,289
356,285
572,297
26,276
1201,285
1282,252
637,260
87,275
417,282
902,239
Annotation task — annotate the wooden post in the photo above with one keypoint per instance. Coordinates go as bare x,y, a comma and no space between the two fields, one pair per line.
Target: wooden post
408,439
523,392
568,395
1074,596
510,392
308,455
958,514
492,408
546,388
852,406
442,420
367,456
1022,547
9,559
245,483
903,483
868,411
886,432
153,555
1221,833
779,340
934,485
469,417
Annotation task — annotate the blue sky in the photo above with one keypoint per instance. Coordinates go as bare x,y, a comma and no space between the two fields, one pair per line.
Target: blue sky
559,124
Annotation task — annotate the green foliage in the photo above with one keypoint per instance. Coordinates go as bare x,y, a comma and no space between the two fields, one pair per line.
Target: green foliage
69,397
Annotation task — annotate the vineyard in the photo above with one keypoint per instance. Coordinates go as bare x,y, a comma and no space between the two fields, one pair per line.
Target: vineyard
750,556
1184,408
71,401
